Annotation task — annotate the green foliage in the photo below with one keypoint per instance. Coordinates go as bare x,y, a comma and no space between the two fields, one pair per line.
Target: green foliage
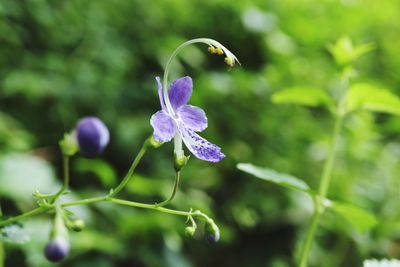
361,219
372,98
272,176
344,52
62,60
306,96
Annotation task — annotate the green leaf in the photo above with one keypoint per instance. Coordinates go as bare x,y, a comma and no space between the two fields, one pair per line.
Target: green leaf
306,96
272,176
344,52
361,219
372,98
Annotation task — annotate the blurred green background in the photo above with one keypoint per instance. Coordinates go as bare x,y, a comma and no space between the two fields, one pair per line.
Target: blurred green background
62,60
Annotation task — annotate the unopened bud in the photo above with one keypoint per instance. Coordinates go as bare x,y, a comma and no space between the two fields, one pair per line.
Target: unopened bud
190,230
212,232
57,249
92,135
76,225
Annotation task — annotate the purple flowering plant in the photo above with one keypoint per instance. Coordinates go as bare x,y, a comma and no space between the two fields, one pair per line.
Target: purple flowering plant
176,120
181,122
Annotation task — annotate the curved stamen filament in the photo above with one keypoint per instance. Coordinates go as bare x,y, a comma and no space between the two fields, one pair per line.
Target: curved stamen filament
230,60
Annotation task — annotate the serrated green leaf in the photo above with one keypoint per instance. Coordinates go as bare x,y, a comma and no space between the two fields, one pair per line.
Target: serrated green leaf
275,177
361,219
372,98
306,96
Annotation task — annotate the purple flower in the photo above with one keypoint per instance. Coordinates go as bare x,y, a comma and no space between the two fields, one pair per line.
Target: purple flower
57,249
180,121
92,136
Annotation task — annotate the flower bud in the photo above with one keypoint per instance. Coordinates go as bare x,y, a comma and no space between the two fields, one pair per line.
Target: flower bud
57,249
68,144
76,225
212,232
190,230
92,135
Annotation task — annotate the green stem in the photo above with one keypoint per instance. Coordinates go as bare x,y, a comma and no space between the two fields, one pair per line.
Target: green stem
174,190
41,210
26,215
2,252
190,213
131,170
66,177
323,189
85,201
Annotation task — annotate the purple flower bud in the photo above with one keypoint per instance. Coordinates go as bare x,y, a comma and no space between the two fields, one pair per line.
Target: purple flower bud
212,238
92,135
212,232
57,249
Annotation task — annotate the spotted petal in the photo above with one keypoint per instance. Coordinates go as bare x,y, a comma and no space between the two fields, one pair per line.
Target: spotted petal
180,92
164,126
193,117
199,146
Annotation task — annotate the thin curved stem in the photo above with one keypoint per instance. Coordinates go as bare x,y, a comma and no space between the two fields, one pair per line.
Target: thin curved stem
174,190
131,170
42,210
26,215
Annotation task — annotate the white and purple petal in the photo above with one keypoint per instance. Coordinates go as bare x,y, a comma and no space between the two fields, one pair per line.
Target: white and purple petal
180,92
160,93
199,146
164,126
193,117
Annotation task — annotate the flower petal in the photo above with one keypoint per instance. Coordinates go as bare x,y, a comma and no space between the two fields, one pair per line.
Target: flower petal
180,92
193,117
160,93
199,146
164,126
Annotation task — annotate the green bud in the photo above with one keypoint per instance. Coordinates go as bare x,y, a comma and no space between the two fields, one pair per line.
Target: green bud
76,225
190,230
69,146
